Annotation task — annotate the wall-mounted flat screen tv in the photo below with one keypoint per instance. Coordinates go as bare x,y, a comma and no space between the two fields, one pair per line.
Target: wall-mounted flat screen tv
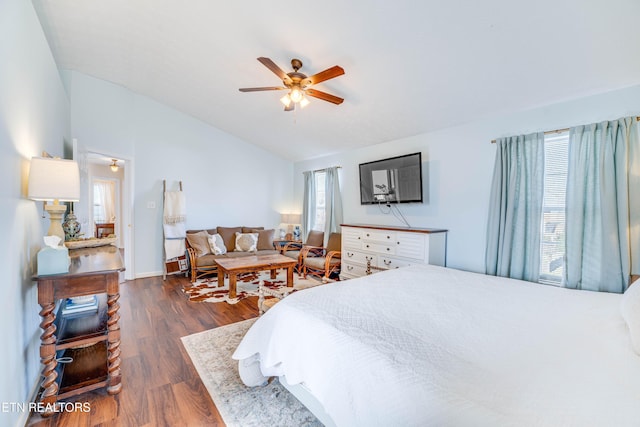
393,180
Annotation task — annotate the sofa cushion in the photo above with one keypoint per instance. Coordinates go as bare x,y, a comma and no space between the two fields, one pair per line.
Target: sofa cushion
208,260
267,252
246,242
251,229
265,238
217,245
319,262
236,254
228,235
292,254
199,242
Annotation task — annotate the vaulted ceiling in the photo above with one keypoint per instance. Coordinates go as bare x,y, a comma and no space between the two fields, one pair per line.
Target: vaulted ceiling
410,66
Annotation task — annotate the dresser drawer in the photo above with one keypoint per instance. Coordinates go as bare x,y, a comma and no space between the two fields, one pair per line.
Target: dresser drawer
356,257
379,236
353,270
390,263
379,248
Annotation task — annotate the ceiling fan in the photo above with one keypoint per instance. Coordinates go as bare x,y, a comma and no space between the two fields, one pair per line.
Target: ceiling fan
299,84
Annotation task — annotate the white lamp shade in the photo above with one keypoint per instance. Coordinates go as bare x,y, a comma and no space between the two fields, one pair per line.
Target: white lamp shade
284,218
291,218
54,179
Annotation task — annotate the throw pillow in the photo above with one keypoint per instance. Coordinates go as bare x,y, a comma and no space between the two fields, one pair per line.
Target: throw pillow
217,245
228,235
199,242
246,242
265,238
630,310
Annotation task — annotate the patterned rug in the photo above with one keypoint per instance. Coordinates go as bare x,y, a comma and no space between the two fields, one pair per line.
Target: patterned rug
239,405
207,290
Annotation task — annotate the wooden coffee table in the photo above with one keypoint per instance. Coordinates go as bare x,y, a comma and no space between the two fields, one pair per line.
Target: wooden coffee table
253,264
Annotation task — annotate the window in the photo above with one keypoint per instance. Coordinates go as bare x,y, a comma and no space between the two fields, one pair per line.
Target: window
319,221
552,239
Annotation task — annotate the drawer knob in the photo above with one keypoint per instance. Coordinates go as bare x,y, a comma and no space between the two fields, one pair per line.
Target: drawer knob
386,262
367,245
388,249
349,267
367,234
349,254
388,237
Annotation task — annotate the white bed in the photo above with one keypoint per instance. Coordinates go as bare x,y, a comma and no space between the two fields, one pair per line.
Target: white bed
426,345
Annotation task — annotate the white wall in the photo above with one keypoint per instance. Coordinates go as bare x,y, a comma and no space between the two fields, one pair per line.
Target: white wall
458,168
34,116
226,180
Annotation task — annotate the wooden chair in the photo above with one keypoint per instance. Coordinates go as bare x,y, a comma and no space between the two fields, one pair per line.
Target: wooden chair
323,261
202,266
293,250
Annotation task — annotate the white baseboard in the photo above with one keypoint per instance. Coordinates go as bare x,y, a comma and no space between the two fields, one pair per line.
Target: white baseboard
148,274
24,418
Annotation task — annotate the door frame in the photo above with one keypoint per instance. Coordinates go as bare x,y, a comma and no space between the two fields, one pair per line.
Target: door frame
127,196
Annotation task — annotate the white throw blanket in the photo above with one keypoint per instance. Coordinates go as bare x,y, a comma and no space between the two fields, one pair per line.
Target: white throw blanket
175,215
174,248
175,208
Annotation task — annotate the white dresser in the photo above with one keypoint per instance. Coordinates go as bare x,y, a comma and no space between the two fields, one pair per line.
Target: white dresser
367,249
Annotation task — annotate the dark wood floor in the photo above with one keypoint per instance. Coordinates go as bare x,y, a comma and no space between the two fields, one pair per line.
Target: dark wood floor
160,385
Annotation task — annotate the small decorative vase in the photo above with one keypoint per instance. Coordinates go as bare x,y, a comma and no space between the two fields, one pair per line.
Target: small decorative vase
71,227
296,233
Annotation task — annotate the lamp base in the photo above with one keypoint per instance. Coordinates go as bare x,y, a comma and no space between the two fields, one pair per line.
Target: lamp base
56,212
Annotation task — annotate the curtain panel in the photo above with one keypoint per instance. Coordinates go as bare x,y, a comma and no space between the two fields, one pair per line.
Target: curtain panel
333,203
603,206
515,208
309,204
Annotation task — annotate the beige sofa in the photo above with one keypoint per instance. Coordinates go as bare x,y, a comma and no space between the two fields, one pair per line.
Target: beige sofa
202,260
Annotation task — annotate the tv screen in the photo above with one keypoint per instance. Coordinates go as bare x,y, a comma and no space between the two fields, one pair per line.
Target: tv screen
393,180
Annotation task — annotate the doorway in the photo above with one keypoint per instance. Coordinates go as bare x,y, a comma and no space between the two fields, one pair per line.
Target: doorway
105,207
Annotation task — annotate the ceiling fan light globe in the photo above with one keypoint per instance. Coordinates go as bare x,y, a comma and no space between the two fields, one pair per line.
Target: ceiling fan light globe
304,102
286,100
296,95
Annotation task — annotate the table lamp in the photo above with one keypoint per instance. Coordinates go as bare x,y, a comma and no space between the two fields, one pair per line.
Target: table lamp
291,220
56,180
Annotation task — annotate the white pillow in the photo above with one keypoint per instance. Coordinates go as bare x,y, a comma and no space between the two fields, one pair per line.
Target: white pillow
217,245
630,310
246,242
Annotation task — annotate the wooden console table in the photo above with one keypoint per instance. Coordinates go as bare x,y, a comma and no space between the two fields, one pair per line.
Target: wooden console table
91,340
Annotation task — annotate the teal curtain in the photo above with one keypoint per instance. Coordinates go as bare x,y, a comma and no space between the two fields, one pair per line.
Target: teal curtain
308,204
515,208
333,203
603,206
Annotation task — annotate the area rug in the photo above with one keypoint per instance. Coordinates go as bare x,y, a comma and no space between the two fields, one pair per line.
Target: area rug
239,405
207,290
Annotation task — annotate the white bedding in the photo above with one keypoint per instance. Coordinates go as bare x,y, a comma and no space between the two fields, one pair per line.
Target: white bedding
426,345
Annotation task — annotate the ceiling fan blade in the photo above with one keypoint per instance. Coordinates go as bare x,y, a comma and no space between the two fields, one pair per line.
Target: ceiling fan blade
290,107
324,96
258,89
327,74
275,69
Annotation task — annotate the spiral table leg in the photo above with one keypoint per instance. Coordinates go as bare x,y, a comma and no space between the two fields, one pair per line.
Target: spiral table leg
113,349
48,356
